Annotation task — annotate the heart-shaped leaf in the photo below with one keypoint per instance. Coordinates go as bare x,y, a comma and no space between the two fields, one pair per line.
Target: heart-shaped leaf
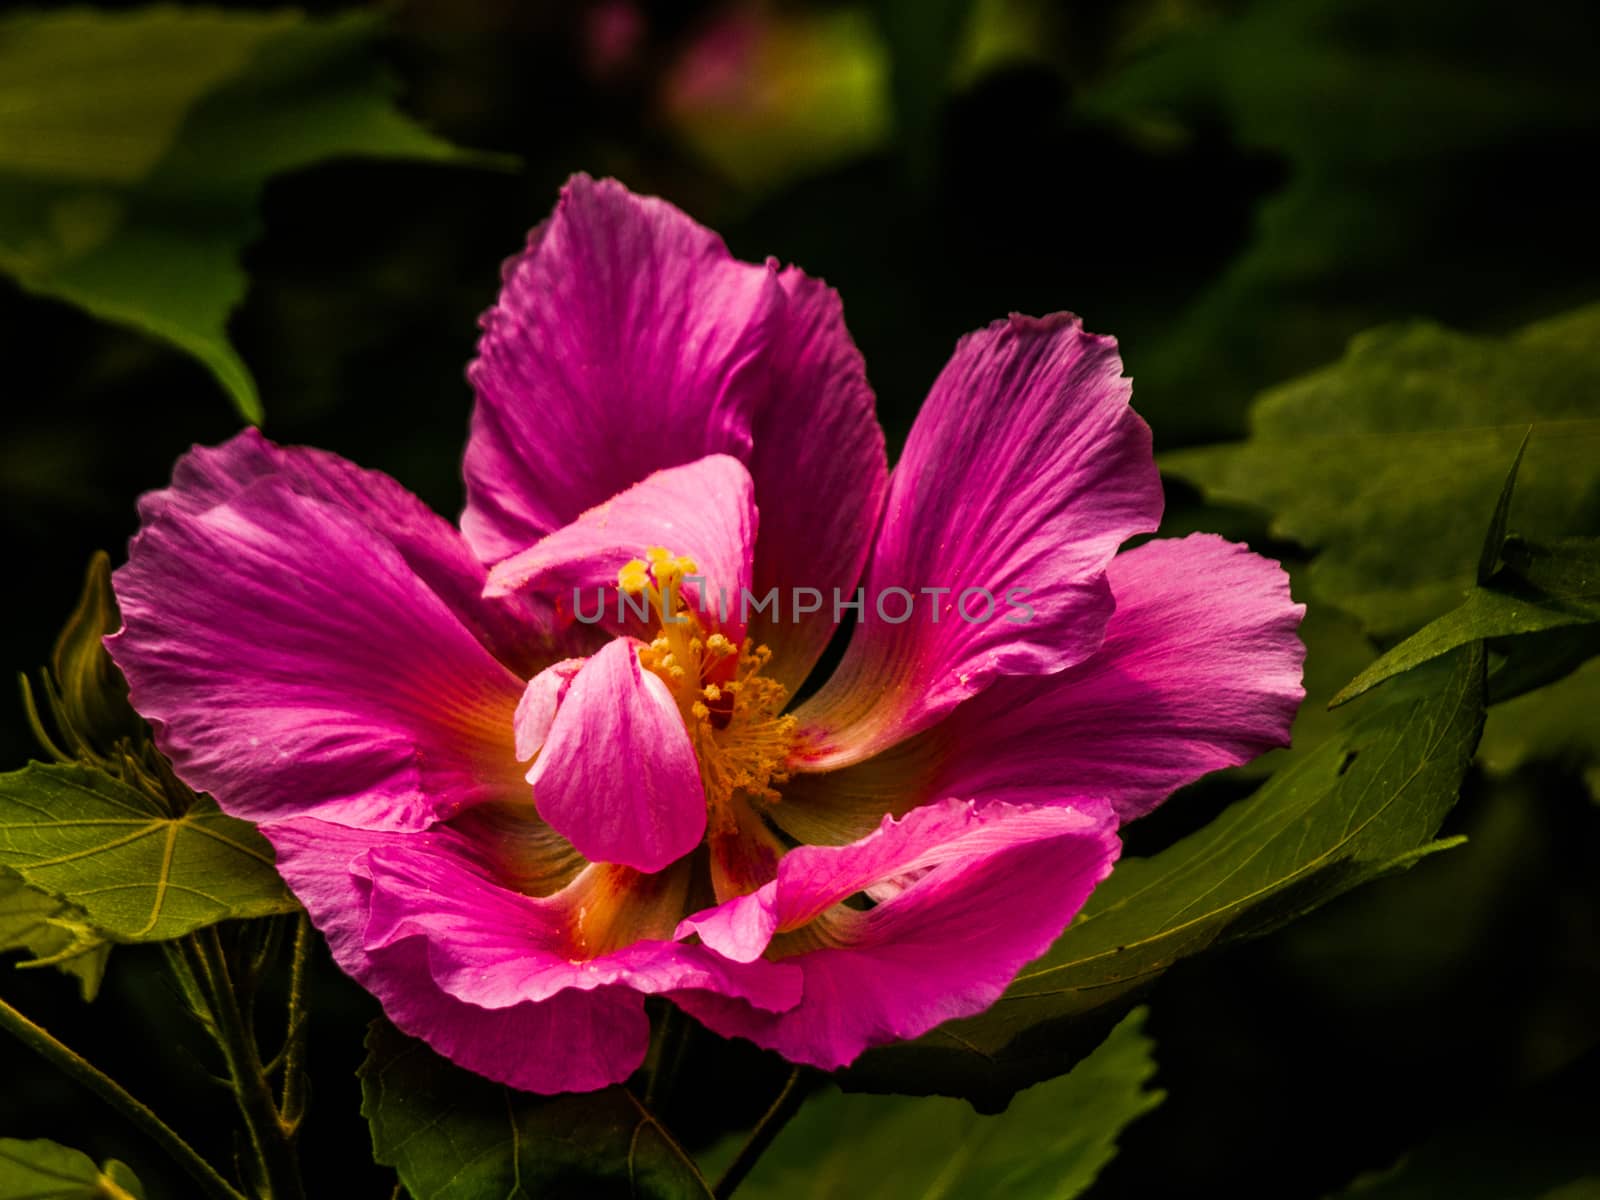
139,874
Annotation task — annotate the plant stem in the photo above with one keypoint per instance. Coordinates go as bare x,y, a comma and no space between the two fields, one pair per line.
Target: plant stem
768,1128
271,1137
292,1105
666,1053
73,1064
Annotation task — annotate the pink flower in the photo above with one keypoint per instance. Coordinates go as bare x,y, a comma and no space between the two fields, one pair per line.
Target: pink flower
665,424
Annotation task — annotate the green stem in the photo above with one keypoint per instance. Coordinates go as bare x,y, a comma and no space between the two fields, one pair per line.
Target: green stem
666,1053
270,1137
73,1064
291,1107
767,1129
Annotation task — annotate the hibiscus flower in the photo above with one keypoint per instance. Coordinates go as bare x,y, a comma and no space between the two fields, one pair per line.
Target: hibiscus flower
515,812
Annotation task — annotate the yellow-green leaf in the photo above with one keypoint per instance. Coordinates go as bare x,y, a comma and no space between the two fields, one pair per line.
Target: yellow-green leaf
53,932
138,873
46,1170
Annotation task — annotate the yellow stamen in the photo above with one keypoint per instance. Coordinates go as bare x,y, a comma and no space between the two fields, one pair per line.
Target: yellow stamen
633,578
734,715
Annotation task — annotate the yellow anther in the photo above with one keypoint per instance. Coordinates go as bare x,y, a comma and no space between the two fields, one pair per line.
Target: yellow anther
732,713
633,578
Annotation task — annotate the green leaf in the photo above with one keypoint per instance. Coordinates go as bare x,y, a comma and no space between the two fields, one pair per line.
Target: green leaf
1365,803
133,149
1540,588
1495,538
138,873
54,933
453,1135
45,1170
1384,461
1050,1144
1392,118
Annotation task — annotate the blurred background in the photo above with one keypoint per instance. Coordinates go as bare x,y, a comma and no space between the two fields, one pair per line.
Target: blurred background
1232,189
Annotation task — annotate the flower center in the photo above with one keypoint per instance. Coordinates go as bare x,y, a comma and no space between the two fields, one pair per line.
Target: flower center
732,712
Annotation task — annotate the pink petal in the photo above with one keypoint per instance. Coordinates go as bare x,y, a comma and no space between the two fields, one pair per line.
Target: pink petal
577,1040
704,510
1201,669
627,340
496,948
1024,472
739,929
618,776
820,472
517,632
970,897
536,711
293,662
